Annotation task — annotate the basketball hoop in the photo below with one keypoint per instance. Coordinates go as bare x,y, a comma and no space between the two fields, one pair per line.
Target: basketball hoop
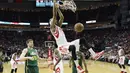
69,5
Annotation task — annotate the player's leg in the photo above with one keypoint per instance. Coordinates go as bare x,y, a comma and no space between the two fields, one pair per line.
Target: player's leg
31,69
95,56
12,70
15,69
122,64
74,69
36,69
12,66
120,68
124,68
72,49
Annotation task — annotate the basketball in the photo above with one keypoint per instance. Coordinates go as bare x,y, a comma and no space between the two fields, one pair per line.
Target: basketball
79,27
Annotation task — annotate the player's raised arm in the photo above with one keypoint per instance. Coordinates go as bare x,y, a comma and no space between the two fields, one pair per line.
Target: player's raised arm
53,20
61,18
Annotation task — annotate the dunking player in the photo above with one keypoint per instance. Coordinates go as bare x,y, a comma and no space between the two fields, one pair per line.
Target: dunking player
121,62
65,47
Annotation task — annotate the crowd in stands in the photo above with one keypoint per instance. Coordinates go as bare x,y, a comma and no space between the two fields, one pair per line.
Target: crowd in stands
99,39
112,39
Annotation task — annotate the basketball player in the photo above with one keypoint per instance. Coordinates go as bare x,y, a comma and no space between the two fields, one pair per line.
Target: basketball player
65,47
14,62
121,62
30,56
81,59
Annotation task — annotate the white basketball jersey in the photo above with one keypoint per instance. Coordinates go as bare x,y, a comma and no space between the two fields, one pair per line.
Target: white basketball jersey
13,56
120,52
59,36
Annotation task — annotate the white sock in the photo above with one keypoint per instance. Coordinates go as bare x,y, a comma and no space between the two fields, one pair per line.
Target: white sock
92,52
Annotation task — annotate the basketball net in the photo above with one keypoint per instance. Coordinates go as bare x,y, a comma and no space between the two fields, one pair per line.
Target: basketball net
69,5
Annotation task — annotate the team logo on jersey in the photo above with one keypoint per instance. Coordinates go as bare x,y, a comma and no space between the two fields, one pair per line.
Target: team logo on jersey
56,33
33,53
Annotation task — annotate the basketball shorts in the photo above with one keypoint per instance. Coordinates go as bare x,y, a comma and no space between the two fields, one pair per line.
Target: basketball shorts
13,64
122,60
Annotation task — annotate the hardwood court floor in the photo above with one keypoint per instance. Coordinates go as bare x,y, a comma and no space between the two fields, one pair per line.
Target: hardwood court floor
93,67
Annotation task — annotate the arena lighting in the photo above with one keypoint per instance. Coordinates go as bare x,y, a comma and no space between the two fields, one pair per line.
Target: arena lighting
65,23
92,21
44,23
24,23
14,23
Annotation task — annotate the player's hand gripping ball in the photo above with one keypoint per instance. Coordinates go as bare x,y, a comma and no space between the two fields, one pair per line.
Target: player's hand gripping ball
79,27
35,58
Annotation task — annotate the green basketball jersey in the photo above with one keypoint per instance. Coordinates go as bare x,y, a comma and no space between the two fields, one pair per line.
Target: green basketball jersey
31,53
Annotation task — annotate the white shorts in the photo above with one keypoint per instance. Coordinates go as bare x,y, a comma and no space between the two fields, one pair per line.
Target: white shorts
13,64
122,60
63,49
